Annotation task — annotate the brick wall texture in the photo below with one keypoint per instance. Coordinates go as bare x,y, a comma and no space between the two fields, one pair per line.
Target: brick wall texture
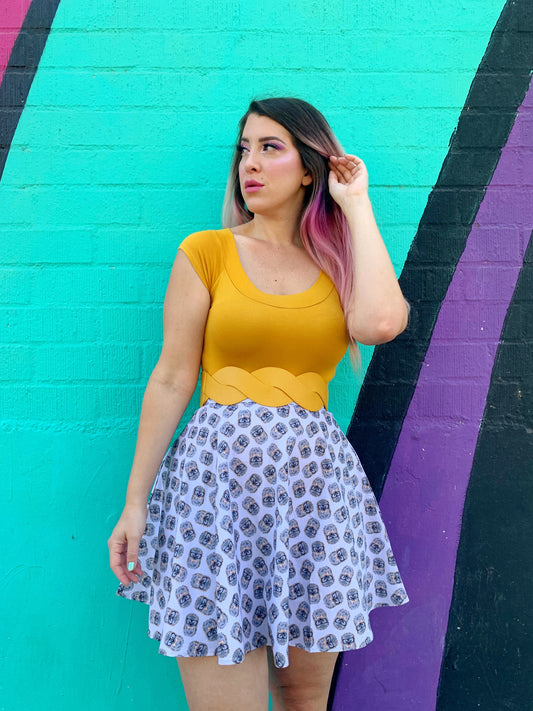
121,143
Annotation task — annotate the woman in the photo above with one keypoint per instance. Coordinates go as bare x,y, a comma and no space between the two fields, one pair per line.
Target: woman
262,539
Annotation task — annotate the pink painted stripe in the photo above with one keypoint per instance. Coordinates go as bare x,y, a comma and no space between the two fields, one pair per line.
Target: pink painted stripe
11,19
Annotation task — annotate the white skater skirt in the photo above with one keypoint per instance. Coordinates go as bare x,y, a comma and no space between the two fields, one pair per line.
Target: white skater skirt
262,529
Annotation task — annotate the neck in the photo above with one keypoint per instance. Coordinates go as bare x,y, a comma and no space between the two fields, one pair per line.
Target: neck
275,230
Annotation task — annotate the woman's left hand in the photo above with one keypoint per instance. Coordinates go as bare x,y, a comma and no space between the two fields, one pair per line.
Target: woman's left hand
348,178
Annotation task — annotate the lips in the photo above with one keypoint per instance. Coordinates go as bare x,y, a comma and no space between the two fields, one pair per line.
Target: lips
252,186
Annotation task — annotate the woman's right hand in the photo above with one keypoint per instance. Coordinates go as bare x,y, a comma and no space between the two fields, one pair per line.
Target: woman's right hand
124,544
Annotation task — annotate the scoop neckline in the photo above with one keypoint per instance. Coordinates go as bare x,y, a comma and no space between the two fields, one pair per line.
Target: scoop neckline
317,292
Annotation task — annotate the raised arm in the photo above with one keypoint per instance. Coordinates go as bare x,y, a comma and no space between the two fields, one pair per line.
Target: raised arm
379,311
167,394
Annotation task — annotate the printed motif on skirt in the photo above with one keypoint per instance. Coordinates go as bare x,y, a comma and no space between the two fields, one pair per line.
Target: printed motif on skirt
262,529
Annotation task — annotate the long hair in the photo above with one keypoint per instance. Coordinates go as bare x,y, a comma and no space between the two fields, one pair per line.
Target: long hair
324,230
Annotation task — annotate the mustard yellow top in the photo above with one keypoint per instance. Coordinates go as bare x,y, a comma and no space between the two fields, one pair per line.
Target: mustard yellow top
269,348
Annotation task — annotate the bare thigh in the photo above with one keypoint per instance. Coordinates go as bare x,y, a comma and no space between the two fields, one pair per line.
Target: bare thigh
304,685
210,686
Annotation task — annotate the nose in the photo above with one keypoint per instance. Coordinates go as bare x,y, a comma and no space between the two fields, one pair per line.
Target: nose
251,161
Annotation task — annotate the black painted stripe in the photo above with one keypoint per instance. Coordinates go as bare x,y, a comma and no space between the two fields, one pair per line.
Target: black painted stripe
487,117
20,71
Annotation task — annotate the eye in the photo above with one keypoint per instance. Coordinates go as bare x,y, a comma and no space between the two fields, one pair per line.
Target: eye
271,146
241,148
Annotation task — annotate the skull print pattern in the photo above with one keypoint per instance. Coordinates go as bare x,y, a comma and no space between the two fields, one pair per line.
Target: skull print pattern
262,529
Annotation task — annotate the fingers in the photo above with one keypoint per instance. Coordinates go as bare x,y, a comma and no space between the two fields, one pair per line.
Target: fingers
353,158
134,568
348,178
117,560
124,544
122,554
347,160
343,167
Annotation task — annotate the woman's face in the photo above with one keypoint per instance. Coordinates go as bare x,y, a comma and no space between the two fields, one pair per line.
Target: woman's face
271,175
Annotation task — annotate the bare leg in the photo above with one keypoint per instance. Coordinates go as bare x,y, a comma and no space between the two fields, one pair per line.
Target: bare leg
210,686
303,685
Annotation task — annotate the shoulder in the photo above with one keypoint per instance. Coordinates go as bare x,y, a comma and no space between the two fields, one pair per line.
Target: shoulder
205,250
206,242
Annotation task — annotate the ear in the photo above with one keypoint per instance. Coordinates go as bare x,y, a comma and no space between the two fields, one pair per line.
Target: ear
307,179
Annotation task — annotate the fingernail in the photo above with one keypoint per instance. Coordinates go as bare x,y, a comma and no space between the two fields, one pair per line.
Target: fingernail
131,565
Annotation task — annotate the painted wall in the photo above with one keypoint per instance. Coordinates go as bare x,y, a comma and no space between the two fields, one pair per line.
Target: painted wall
464,640
115,135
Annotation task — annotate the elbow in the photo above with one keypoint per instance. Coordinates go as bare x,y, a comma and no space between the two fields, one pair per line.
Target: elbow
377,331
376,334
182,380
387,331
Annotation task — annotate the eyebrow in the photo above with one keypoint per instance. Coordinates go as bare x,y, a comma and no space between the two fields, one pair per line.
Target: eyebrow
264,139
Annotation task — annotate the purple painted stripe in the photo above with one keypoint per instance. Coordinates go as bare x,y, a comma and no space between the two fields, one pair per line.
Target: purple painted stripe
424,494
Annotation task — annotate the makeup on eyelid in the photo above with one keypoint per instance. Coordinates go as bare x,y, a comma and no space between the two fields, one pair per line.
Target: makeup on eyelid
265,144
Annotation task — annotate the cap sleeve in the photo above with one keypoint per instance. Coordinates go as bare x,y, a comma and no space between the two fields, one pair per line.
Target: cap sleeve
204,252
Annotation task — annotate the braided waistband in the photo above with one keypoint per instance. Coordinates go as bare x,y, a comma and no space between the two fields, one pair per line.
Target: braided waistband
268,386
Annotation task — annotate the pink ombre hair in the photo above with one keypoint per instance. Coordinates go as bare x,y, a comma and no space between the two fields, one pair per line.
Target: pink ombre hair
324,229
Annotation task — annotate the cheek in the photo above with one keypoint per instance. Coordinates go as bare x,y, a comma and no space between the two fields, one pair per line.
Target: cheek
289,166
242,176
